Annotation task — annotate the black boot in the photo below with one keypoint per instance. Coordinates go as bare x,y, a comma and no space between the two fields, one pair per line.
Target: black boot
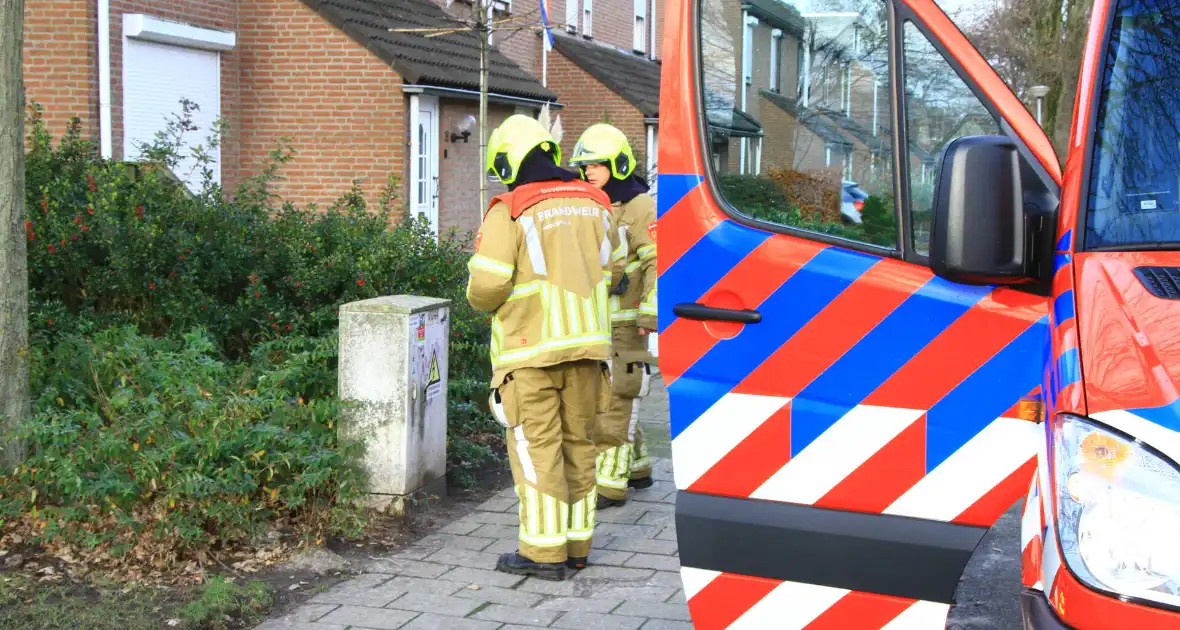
606,502
577,564
517,564
641,483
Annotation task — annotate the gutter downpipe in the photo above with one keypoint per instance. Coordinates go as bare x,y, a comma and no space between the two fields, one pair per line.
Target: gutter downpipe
104,78
651,48
651,149
544,59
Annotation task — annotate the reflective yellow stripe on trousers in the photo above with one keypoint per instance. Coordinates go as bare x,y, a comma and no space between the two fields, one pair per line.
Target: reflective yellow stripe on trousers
543,520
582,513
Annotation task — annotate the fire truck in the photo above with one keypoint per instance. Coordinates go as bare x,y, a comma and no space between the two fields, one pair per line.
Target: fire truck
854,404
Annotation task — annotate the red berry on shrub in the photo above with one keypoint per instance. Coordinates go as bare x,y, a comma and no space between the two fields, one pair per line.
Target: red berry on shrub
288,326
360,283
90,211
85,228
51,250
257,294
152,286
74,237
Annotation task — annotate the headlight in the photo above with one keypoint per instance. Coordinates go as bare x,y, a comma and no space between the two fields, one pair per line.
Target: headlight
1118,512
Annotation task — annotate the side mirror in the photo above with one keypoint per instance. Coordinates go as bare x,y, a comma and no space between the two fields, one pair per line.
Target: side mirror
977,232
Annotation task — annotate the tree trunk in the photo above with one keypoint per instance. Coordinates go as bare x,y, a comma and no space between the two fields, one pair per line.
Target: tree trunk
14,277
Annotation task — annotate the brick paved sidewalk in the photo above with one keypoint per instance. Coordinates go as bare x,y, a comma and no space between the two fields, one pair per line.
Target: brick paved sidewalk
445,581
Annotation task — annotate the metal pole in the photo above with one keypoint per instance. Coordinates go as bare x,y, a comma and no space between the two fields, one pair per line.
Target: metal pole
482,27
1039,100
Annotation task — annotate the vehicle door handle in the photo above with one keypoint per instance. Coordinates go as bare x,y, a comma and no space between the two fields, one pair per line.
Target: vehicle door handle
700,312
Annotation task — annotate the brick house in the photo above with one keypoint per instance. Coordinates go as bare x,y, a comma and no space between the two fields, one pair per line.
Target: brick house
354,99
806,90
603,65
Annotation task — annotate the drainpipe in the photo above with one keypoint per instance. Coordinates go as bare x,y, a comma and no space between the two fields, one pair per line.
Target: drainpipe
806,67
651,12
104,78
544,60
747,62
875,85
651,149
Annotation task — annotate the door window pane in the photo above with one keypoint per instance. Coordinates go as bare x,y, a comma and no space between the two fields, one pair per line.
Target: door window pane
807,148
939,108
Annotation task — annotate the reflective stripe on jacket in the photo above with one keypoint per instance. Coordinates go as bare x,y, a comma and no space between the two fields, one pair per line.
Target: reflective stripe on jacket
635,223
542,265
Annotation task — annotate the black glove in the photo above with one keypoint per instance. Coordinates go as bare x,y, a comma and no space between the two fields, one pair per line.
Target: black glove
621,287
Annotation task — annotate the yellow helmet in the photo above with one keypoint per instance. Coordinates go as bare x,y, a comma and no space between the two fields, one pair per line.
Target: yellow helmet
512,141
604,143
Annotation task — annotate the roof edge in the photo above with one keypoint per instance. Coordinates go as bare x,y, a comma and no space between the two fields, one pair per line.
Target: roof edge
473,95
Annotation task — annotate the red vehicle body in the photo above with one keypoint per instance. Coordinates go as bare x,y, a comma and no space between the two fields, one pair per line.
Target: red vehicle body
850,415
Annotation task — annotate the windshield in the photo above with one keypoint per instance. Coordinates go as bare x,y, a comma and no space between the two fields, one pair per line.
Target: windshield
1136,159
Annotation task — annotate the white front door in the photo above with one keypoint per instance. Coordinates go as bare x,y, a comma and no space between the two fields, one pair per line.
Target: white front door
425,187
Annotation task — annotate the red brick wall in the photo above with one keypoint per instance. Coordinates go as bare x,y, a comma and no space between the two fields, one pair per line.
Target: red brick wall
218,14
341,107
614,22
60,62
587,101
789,144
459,177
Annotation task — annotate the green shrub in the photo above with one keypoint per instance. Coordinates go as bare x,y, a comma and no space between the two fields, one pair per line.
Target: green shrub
134,434
761,198
184,351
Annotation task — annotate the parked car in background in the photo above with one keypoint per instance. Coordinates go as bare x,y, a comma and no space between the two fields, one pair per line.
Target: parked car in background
853,201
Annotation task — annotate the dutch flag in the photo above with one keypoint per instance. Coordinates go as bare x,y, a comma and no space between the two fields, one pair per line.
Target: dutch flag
545,23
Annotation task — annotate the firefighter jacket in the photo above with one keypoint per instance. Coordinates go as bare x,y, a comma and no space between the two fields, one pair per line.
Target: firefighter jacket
543,262
635,222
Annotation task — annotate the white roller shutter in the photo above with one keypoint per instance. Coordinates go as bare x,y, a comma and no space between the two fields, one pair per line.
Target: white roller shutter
155,79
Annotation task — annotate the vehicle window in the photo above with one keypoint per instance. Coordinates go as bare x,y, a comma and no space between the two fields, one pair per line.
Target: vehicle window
1136,156
797,106
939,108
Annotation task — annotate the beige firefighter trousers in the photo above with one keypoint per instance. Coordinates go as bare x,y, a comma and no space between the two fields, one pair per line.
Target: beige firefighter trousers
549,414
618,438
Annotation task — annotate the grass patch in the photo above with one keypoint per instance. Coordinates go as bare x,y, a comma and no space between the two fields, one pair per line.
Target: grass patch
26,604
222,601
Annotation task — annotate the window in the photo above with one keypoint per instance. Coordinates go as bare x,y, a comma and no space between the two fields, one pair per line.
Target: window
156,78
748,48
639,38
939,108
571,16
1134,197
804,165
587,18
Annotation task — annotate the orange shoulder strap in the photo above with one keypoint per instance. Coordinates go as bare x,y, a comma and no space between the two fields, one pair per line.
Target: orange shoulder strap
504,198
528,195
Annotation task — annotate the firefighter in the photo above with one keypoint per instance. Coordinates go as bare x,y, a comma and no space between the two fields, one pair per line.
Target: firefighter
605,159
542,266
